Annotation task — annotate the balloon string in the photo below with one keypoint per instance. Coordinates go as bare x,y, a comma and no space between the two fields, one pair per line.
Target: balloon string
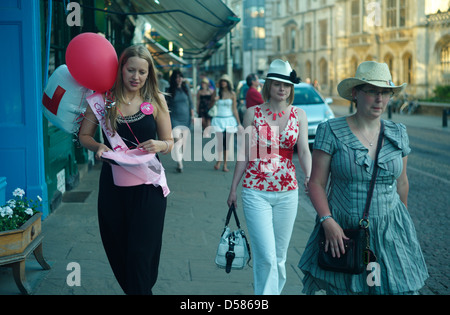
128,126
96,123
79,109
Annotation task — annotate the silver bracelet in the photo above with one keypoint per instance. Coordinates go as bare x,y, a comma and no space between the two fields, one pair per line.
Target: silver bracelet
167,149
325,217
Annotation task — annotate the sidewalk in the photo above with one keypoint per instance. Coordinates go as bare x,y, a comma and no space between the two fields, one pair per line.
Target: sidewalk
194,221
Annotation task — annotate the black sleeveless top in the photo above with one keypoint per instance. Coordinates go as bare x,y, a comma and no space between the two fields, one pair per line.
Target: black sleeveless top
143,126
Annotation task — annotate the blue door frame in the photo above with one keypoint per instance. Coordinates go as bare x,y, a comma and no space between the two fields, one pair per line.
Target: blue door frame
21,132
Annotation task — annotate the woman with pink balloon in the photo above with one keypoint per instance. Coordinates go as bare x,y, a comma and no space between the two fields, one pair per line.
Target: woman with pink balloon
133,114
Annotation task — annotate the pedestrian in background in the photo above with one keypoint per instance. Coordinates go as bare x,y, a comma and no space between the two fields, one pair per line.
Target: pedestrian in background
225,123
131,218
344,151
162,83
316,85
181,109
270,188
202,76
204,96
253,97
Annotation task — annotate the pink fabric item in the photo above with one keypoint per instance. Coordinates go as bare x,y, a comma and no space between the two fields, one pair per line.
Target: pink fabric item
134,167
130,167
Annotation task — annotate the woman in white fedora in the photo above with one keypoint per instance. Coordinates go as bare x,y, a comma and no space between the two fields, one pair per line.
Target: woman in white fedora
344,151
270,188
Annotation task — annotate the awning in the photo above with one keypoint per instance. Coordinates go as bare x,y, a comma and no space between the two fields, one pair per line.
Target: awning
162,56
194,25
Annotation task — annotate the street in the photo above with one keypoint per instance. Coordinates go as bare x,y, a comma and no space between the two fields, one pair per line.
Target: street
428,199
195,217
429,179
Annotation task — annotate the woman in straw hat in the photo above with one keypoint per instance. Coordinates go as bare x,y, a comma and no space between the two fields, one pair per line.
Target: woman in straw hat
204,96
226,122
345,148
270,188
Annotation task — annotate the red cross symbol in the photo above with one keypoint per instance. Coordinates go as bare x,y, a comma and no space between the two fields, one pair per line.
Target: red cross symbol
52,104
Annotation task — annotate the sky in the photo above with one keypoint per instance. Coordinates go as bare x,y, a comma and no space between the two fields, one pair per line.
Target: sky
432,6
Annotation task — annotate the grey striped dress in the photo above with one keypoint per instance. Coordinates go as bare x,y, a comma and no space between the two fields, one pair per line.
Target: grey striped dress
393,239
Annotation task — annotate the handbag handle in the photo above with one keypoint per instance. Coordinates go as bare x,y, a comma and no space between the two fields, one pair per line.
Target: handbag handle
232,210
364,222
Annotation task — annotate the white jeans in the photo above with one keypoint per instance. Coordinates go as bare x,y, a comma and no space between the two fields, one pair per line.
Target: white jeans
270,219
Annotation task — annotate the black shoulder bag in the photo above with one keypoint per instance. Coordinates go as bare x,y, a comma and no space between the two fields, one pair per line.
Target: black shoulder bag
357,248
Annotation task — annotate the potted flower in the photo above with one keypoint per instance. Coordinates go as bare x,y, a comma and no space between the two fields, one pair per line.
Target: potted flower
20,223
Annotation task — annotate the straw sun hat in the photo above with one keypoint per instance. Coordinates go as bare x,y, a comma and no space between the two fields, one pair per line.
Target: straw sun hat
280,70
369,72
226,77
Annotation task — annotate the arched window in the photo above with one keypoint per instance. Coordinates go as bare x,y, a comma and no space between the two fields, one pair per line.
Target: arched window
407,68
445,63
389,60
308,69
353,66
323,72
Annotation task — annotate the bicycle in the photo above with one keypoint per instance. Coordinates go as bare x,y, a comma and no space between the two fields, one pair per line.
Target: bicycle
409,106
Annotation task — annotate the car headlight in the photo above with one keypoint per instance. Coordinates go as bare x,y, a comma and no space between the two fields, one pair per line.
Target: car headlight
329,114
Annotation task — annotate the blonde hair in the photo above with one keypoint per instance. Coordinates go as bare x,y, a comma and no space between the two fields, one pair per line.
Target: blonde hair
149,92
266,91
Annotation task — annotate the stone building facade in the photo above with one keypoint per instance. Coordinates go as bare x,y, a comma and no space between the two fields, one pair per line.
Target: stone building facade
327,39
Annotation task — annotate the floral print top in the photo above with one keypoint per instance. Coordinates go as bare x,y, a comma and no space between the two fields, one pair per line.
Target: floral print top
270,167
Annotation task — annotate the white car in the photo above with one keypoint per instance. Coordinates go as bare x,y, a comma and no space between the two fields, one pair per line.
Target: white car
314,105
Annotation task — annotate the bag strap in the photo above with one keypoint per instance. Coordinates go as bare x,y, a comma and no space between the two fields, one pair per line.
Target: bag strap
232,210
364,222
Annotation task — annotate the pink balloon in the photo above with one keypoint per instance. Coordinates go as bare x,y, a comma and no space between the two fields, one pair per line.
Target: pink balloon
92,61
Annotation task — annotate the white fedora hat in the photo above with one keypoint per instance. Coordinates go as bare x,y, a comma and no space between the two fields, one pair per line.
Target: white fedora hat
369,72
280,70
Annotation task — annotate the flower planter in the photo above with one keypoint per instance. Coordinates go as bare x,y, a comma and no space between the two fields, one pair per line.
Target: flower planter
16,241
16,245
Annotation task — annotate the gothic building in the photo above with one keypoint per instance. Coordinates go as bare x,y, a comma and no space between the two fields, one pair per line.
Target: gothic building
327,39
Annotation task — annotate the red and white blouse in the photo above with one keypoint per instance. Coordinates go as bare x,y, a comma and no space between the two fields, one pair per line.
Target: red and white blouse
270,167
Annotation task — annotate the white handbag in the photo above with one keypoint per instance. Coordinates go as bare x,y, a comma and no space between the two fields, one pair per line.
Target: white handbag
212,112
233,251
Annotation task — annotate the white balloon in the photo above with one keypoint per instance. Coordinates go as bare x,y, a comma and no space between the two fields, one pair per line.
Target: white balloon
64,100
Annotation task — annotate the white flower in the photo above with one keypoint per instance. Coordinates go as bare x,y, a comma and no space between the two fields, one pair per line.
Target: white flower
11,203
6,211
29,211
18,192
39,198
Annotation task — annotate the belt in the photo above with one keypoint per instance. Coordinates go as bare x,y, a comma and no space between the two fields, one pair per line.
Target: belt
286,153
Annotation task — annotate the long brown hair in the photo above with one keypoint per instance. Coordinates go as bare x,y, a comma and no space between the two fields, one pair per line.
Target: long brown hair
149,92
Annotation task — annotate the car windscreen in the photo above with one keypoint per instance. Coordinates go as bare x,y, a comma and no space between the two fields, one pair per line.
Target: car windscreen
306,96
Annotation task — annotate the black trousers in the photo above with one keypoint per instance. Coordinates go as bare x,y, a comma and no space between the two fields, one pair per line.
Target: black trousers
131,221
